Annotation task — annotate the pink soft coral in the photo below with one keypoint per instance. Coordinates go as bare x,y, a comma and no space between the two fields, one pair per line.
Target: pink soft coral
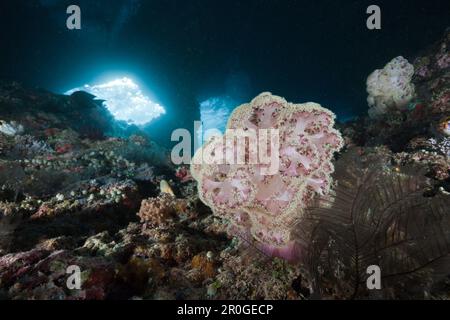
262,205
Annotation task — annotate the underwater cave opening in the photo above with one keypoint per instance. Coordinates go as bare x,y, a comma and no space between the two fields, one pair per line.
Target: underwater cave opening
125,100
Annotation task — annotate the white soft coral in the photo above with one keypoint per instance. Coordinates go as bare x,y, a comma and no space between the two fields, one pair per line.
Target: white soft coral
390,87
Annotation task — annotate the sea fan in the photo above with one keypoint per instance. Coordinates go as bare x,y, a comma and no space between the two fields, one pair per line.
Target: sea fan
376,216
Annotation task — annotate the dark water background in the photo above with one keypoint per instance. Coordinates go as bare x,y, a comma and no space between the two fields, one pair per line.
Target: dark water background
185,51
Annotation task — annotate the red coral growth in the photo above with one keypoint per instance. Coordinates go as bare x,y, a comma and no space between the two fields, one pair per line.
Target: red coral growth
183,174
419,111
61,149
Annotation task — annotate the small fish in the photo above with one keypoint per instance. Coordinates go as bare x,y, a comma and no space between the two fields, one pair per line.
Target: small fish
165,188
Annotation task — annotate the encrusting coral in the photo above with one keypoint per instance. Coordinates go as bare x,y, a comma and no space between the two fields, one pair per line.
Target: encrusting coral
157,211
262,205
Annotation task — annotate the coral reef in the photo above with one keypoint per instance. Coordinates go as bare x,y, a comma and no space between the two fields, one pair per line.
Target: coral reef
260,205
253,277
72,195
417,134
80,189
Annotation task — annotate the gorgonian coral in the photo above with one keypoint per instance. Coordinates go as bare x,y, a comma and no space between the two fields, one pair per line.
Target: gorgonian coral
390,87
272,160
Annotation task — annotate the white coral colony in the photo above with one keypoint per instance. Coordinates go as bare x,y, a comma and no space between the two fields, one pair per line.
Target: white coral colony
390,87
11,129
262,208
